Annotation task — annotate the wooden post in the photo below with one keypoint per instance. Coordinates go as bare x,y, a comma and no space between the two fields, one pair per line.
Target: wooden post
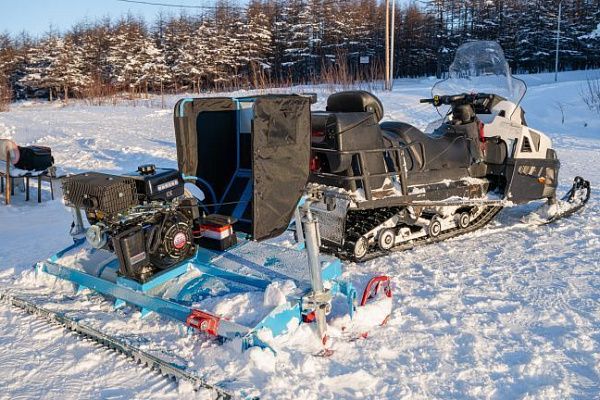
8,181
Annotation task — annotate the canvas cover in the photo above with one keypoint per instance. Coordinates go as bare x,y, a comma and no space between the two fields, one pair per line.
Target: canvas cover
277,154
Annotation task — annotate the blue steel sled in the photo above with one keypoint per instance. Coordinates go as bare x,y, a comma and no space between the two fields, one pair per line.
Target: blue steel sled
234,149
179,292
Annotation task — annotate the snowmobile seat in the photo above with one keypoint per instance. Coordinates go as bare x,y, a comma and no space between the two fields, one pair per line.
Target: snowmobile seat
446,154
355,101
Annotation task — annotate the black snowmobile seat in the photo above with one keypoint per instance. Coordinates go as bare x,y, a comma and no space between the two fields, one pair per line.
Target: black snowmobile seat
452,149
355,101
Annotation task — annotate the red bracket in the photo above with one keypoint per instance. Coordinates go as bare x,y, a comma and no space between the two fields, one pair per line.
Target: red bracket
310,317
204,322
375,284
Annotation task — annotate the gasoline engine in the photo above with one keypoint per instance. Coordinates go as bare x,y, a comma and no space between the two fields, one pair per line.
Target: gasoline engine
142,217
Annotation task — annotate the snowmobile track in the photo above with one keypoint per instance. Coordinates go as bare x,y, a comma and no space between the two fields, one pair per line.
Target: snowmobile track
480,222
165,368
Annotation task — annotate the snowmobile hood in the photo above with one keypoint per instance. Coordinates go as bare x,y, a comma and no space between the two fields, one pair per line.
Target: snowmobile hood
254,154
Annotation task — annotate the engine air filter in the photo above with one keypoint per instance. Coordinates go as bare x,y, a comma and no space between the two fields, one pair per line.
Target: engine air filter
93,191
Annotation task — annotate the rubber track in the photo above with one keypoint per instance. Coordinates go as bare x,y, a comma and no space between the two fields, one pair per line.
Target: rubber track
480,222
165,368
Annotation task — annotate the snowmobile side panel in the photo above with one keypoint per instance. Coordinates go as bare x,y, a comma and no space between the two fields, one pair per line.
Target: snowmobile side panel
531,179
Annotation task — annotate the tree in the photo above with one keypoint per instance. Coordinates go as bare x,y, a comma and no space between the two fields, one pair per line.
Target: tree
43,61
257,50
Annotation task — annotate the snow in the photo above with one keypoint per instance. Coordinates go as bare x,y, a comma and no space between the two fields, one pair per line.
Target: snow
276,292
593,34
510,311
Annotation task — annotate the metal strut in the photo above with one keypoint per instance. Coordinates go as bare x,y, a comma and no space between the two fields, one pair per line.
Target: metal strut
319,299
77,228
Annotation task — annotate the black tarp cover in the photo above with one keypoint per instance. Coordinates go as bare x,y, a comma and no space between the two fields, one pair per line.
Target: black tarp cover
280,153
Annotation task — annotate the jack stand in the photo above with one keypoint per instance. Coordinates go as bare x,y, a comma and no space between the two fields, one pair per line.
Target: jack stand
319,299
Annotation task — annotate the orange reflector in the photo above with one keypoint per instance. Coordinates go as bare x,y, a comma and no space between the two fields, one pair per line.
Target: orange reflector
541,179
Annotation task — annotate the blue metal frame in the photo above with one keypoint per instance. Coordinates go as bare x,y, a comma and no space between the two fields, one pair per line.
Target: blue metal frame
126,291
156,280
240,173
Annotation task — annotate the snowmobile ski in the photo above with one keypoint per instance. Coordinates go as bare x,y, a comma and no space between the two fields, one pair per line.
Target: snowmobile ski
573,201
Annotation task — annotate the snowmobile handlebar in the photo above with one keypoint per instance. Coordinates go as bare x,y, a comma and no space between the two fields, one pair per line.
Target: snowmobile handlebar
457,99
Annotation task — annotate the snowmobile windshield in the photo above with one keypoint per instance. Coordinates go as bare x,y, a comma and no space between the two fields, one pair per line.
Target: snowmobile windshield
480,67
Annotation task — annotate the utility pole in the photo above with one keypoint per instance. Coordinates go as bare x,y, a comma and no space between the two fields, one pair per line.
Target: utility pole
387,45
557,42
393,30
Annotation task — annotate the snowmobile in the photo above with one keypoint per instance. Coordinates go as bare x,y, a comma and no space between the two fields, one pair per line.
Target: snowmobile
390,186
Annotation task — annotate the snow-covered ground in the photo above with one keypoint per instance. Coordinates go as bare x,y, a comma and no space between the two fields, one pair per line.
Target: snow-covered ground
511,311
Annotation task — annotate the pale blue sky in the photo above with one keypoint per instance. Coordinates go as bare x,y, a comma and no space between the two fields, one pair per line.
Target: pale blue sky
36,16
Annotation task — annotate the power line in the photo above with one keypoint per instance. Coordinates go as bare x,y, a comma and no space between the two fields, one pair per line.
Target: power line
151,3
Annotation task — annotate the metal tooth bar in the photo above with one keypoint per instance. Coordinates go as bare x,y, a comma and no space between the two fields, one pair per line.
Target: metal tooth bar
153,362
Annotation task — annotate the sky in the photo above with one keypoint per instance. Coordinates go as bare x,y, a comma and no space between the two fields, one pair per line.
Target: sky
37,16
